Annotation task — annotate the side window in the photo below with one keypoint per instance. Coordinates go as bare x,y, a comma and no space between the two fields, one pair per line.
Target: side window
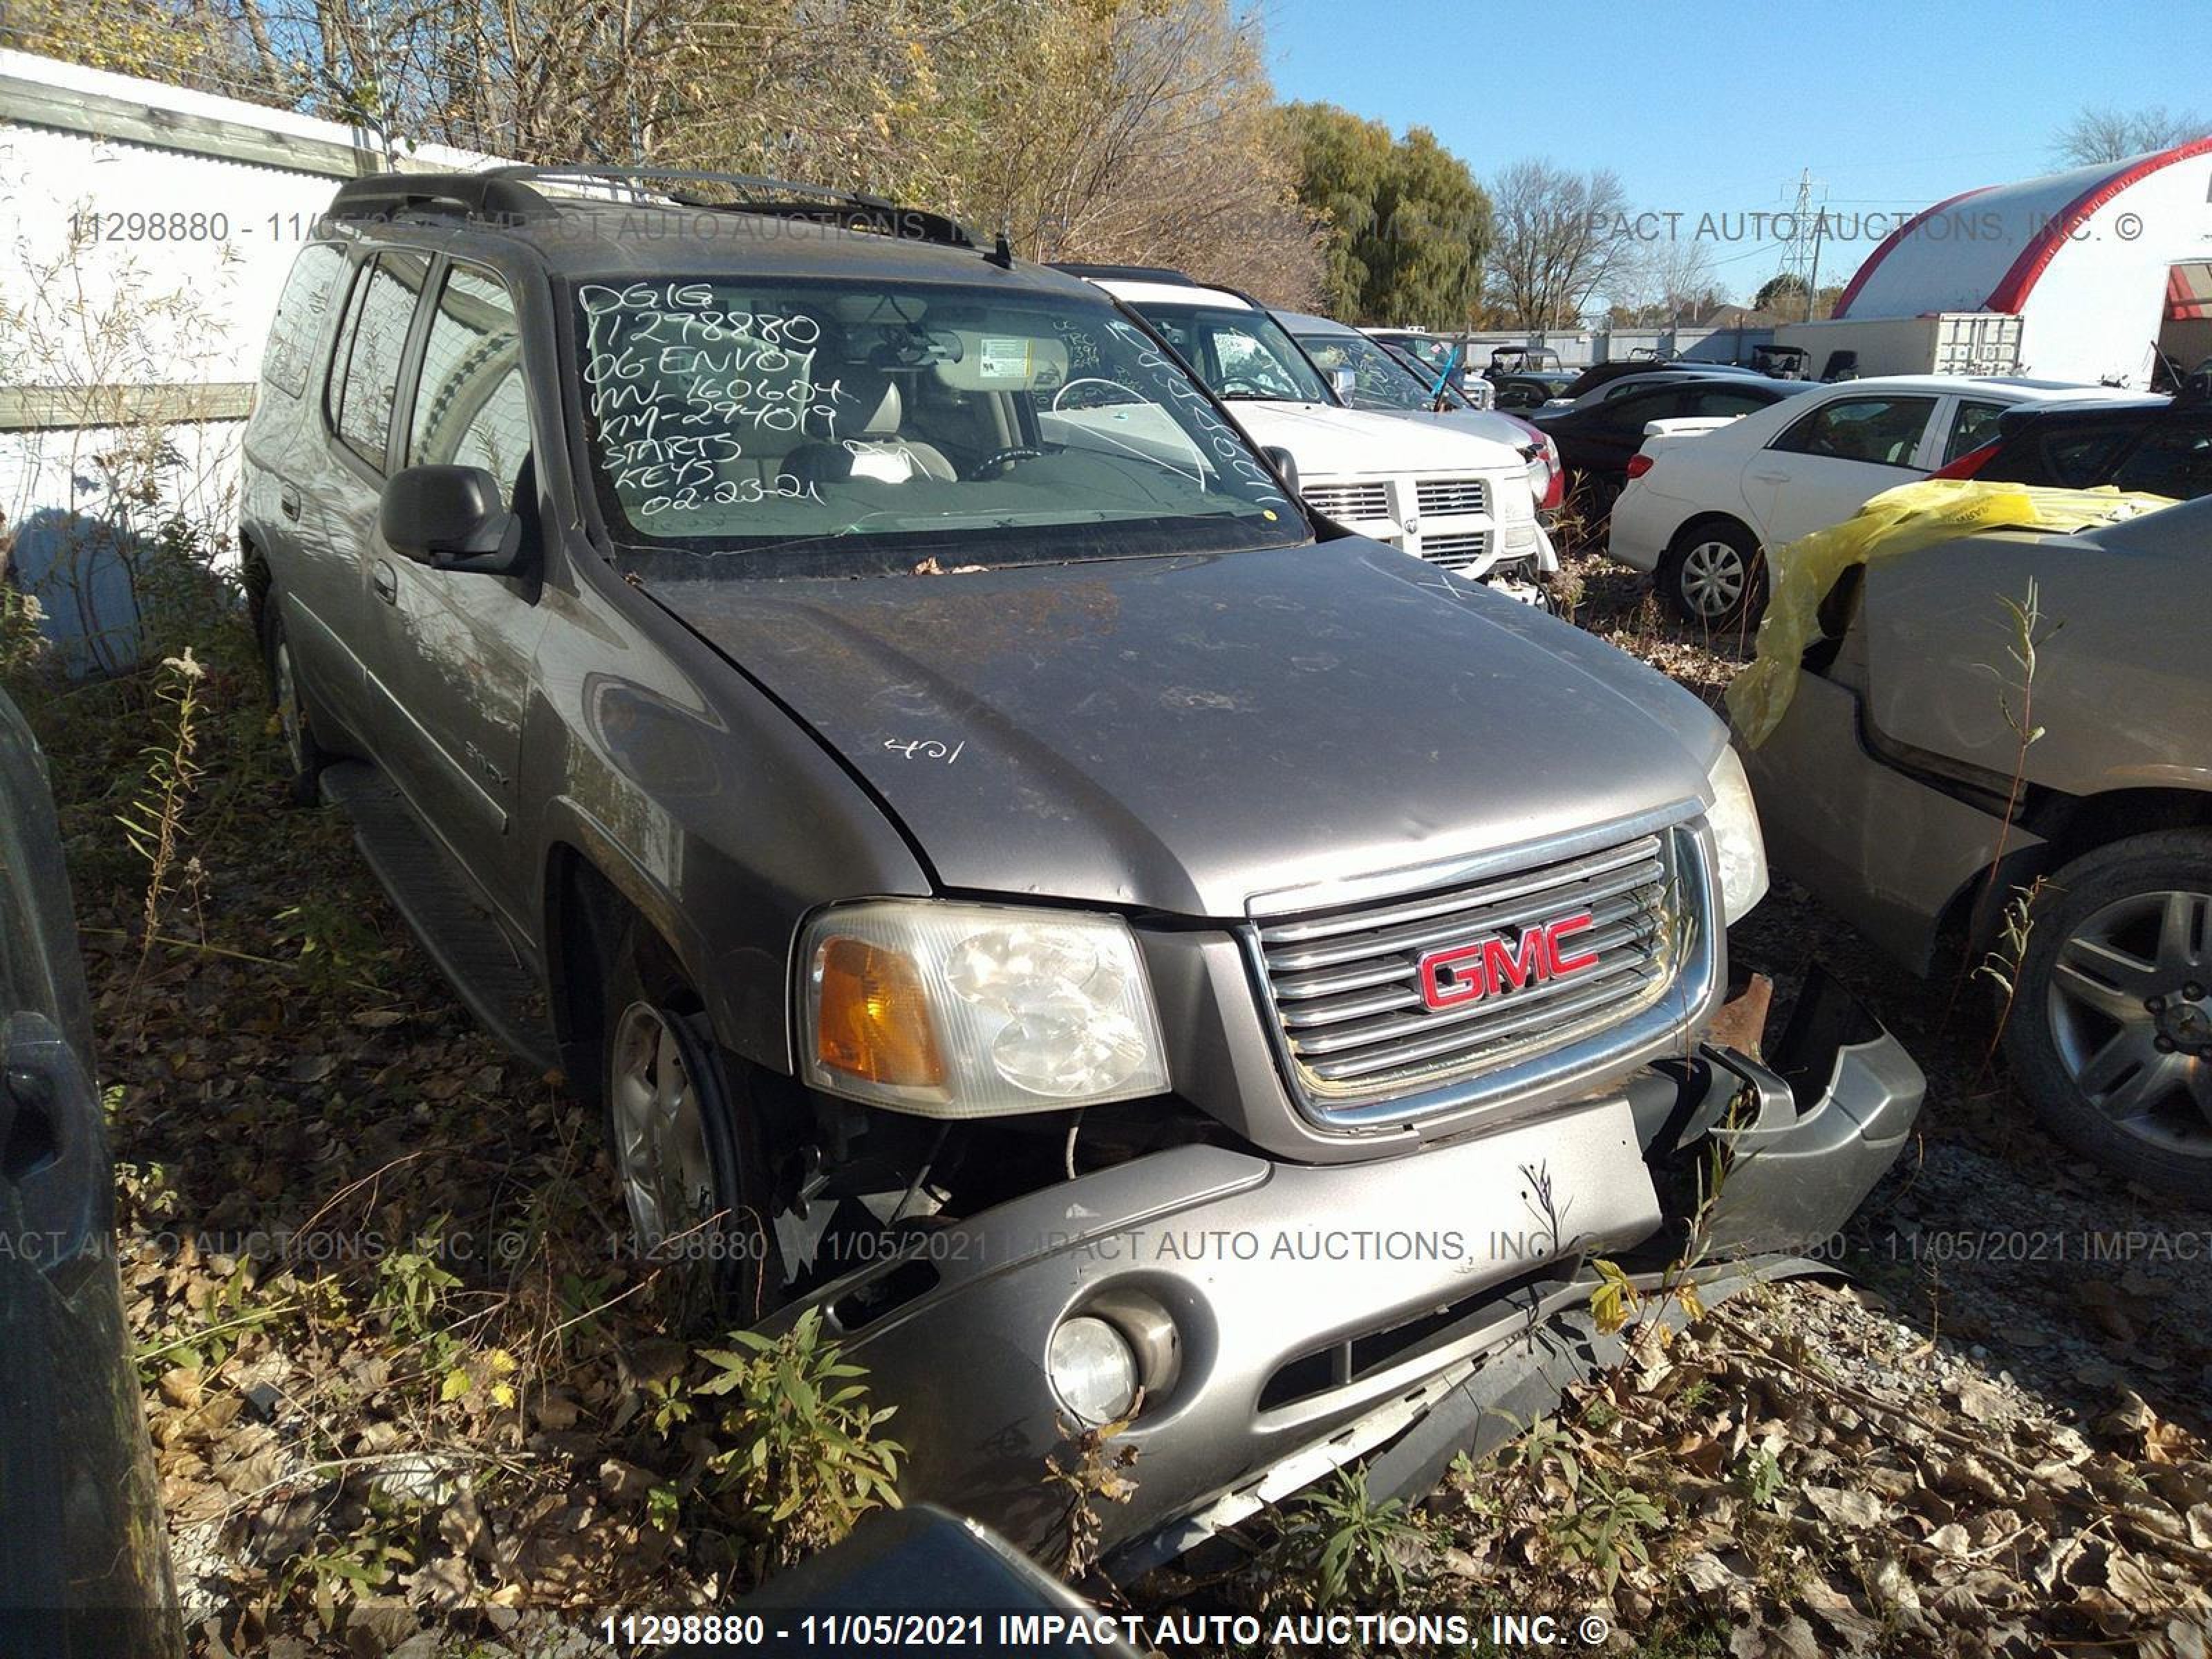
1883,430
470,406
1248,364
1628,415
365,371
2075,459
1974,425
287,357
1724,403
2174,460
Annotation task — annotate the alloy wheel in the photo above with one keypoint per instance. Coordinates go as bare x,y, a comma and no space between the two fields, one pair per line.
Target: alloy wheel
2130,1010
660,1138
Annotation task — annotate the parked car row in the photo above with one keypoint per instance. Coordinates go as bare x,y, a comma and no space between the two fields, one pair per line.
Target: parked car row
1458,491
921,728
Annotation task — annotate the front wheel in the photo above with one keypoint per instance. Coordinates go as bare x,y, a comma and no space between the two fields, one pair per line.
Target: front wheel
1714,576
684,1135
2110,1033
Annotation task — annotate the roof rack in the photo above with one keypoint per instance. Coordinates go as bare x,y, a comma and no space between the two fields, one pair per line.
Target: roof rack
782,198
507,193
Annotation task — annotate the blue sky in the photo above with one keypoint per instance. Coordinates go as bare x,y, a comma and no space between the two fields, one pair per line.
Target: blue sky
1713,108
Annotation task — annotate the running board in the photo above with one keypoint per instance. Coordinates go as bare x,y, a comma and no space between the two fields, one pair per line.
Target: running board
443,911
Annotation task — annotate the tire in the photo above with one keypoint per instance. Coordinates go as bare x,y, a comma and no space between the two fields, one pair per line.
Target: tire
1714,576
682,1132
304,757
2110,1034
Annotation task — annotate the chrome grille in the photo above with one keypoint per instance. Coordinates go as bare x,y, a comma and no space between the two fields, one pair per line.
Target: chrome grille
1351,501
1457,549
1345,981
1451,495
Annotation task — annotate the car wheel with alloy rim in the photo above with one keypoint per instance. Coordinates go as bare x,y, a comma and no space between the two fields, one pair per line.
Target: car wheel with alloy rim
681,1128
2110,1031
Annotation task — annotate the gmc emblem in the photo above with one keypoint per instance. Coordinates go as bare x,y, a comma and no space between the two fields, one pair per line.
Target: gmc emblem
1468,973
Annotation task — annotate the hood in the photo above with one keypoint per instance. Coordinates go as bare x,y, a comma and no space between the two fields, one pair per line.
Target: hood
1328,442
1479,423
1179,734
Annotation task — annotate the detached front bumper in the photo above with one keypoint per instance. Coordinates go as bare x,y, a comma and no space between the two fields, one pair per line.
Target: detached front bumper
1321,1313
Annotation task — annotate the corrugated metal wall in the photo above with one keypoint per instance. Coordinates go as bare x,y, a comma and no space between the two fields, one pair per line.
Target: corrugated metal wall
146,231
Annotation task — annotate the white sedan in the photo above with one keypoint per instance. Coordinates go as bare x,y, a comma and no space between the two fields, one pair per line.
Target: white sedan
1703,512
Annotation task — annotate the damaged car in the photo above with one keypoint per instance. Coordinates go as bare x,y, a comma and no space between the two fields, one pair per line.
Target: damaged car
1019,887
2052,824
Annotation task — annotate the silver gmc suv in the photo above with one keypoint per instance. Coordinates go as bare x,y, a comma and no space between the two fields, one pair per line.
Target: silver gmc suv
1121,948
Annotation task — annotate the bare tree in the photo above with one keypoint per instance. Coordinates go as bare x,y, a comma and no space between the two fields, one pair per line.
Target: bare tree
2104,133
1661,280
1561,237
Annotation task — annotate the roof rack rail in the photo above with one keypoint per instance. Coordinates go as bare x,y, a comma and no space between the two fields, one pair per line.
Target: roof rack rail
782,198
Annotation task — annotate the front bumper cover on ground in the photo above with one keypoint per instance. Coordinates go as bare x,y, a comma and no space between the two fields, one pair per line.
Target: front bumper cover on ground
1320,1313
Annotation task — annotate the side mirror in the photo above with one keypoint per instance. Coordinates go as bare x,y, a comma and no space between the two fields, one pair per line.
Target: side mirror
451,518
2197,388
1343,381
1285,463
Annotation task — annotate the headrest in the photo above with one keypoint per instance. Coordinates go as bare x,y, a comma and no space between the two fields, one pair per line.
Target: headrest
864,404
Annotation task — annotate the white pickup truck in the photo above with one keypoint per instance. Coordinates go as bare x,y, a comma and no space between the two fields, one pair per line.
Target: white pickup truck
1459,500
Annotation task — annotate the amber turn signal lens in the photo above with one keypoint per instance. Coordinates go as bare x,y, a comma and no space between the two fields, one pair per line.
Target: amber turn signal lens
874,1020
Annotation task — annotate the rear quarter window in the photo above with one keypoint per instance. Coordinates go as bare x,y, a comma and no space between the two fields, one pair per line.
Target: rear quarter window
287,359
2175,459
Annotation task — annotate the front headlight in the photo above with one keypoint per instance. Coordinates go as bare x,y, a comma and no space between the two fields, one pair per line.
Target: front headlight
963,1011
1742,849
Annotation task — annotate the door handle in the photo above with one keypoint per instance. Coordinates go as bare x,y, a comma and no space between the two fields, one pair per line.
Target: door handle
288,502
385,581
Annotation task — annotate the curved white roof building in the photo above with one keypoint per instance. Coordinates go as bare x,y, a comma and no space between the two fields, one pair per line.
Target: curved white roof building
2103,264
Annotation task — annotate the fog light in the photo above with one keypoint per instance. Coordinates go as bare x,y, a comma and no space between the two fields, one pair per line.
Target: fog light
1092,1369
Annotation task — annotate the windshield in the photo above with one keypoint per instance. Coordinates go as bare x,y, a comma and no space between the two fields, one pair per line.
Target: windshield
1380,381
1241,354
838,428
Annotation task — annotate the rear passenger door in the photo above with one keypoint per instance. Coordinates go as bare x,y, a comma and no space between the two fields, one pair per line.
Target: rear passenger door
344,482
452,651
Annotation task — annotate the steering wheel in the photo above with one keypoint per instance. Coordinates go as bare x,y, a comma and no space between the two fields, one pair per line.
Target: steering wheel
1243,388
1001,457
1059,398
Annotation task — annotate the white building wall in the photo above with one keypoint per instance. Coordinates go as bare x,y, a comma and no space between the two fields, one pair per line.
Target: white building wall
145,233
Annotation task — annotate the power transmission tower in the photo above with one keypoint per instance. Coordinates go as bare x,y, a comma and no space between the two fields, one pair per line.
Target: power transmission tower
1800,254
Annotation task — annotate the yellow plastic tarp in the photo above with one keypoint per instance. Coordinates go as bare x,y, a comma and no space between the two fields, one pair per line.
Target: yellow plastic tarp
1899,520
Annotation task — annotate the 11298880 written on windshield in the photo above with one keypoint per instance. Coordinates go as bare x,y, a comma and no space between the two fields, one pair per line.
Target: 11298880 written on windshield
725,421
